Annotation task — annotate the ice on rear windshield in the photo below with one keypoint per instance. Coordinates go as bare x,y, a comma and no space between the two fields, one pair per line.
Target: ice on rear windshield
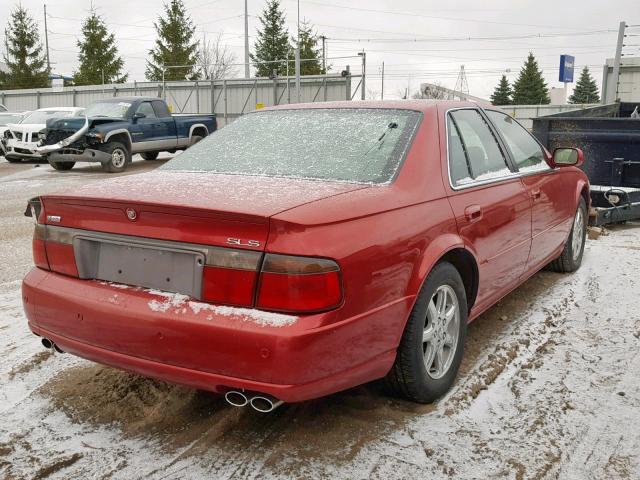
357,145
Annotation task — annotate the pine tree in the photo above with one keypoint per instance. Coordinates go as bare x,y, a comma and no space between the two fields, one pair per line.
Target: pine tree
25,59
174,45
502,94
309,52
272,43
530,88
98,56
586,90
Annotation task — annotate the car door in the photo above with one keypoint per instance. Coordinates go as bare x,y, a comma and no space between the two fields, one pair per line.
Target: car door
490,203
165,127
551,213
142,130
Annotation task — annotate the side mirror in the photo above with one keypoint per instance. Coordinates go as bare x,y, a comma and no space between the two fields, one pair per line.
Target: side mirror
137,116
567,157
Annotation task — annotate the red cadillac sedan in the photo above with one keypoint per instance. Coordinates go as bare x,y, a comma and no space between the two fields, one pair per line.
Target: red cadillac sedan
306,249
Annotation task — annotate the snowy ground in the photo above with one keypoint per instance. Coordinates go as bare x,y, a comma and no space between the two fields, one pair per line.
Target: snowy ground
549,388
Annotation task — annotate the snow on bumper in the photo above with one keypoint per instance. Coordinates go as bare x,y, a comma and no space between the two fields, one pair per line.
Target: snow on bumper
167,336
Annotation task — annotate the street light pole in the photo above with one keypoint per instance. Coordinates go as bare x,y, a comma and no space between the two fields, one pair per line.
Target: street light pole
297,58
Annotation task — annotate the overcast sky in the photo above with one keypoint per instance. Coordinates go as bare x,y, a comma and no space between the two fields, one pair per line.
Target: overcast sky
418,40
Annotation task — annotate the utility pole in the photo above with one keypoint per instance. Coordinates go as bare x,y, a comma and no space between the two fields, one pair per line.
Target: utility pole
612,93
46,39
324,53
246,41
382,90
6,43
364,74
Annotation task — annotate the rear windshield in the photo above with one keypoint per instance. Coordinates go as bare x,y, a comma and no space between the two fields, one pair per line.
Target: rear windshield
354,145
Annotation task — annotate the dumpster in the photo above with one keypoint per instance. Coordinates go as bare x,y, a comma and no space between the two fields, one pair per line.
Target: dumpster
609,136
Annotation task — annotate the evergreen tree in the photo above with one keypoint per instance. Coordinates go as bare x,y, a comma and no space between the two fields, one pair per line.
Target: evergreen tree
530,88
98,56
25,58
586,90
174,46
502,94
272,43
308,50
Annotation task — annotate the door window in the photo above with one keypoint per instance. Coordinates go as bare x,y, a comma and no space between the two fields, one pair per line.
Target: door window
161,109
481,152
525,151
147,109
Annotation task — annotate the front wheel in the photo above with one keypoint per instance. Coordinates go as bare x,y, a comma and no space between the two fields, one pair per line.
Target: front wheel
571,257
120,157
13,160
432,344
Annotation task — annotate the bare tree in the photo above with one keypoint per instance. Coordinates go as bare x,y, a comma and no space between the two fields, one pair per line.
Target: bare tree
216,59
373,94
433,91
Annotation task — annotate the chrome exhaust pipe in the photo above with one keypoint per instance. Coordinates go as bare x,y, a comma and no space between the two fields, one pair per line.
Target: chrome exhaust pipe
47,343
265,403
236,398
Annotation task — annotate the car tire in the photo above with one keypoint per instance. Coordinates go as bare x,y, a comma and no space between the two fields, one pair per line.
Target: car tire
571,257
149,155
62,166
195,139
120,157
432,343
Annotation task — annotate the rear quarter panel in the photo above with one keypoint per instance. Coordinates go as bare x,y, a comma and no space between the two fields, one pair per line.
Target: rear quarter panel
185,122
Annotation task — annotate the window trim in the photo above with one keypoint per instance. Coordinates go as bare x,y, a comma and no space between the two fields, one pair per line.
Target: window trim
515,165
505,154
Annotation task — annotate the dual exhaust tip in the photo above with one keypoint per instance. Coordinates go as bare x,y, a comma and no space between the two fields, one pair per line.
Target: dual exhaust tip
260,402
51,345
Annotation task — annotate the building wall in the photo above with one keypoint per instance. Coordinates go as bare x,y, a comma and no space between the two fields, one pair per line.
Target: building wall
629,85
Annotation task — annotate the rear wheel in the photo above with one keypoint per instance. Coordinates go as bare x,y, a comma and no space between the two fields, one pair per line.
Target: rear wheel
62,166
149,155
195,139
120,157
571,257
432,344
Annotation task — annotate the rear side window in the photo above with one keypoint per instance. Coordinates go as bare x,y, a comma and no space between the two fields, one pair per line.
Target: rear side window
160,108
525,151
147,109
483,156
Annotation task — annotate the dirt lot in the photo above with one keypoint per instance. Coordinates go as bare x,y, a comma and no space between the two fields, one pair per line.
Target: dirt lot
549,388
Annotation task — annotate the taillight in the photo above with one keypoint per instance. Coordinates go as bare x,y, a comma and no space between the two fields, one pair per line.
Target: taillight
60,254
299,284
39,250
230,276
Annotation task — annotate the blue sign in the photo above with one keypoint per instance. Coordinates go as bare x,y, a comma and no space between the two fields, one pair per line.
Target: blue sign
566,68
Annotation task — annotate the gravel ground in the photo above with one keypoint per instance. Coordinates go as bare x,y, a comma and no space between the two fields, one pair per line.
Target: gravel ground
549,388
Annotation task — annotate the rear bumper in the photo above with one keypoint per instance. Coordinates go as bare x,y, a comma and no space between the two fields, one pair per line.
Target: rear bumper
208,349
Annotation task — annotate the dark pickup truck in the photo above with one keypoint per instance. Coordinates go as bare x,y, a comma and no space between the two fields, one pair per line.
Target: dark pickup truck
112,130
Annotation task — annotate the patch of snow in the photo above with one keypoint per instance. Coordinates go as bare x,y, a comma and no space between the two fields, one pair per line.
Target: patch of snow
179,304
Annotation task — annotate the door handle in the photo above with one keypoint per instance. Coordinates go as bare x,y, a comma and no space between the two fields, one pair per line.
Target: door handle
535,193
473,213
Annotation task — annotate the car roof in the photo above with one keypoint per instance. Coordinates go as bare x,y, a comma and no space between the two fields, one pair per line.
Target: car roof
416,105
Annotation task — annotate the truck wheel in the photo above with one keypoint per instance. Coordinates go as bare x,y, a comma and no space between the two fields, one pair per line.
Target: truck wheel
62,166
120,157
149,155
195,139
432,344
571,257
